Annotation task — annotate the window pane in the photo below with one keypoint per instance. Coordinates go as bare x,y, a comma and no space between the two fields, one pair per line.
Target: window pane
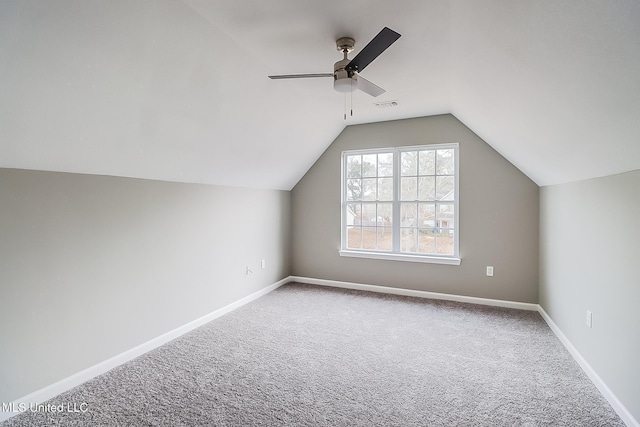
426,215
444,242
427,188
385,188
384,232
369,189
408,213
354,189
369,165
408,159
385,239
353,216
354,238
409,188
385,164
354,166
427,241
368,237
444,162
385,214
445,188
445,215
369,214
408,240
427,162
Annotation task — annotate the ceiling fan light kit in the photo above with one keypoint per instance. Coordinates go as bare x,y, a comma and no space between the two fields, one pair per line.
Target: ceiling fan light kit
345,74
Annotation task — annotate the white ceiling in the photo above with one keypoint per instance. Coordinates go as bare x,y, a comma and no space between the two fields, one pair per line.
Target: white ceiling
178,90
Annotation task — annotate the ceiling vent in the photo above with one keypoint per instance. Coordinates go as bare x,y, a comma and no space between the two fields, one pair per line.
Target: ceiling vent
386,104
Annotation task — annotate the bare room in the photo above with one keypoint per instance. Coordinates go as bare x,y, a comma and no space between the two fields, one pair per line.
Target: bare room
332,213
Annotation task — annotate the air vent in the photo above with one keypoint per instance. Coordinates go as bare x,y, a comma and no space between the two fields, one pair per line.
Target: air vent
386,104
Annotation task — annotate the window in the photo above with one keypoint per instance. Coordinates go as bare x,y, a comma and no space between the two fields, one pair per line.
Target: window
401,203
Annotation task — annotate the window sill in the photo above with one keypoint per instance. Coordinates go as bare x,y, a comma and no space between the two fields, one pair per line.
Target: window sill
401,257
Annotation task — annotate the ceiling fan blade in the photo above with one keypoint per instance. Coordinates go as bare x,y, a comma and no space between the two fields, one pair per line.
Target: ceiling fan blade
300,76
367,87
371,51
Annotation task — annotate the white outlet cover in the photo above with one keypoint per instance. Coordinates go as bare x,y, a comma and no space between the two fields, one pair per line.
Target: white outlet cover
489,270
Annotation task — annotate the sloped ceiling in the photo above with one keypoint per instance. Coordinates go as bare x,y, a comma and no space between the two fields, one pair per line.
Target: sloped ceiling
178,90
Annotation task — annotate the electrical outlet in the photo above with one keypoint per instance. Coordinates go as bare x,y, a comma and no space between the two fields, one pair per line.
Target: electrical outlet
589,319
489,270
263,264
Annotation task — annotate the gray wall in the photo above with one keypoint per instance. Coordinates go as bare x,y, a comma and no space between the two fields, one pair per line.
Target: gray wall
91,266
498,218
589,237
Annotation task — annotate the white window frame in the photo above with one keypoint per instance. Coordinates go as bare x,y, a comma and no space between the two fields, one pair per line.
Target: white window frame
396,254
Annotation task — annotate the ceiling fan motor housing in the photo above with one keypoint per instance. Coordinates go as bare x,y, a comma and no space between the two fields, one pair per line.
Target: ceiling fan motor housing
342,79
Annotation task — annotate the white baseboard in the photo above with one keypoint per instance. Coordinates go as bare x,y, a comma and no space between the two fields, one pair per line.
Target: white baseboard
74,380
615,403
414,293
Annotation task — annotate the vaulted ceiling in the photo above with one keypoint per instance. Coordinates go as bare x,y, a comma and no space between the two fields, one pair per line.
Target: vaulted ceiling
178,90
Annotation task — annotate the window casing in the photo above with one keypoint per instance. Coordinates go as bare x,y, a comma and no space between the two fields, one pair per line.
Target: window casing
401,203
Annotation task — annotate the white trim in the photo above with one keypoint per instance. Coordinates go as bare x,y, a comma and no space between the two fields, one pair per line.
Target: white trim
52,390
414,293
615,403
401,257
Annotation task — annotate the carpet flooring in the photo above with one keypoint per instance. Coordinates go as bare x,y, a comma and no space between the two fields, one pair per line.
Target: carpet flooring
315,356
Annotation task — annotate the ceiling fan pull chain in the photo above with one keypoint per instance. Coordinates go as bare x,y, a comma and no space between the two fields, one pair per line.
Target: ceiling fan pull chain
345,106
351,96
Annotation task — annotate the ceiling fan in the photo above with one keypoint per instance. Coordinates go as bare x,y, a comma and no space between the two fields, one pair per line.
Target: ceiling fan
345,74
